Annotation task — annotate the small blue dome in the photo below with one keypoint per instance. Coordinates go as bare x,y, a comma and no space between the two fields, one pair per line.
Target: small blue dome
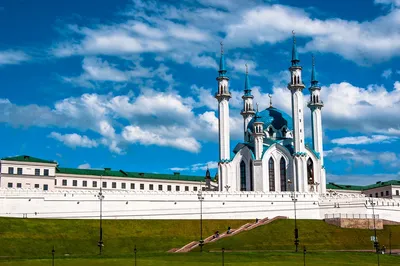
274,117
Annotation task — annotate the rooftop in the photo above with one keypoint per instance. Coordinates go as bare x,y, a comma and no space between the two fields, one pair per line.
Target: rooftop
378,184
106,171
27,158
122,173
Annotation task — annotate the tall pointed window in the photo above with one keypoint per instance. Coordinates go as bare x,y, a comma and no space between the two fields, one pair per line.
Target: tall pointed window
283,174
242,176
310,171
251,177
271,168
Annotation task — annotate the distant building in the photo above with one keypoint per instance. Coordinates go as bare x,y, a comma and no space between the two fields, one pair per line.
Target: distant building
388,189
30,172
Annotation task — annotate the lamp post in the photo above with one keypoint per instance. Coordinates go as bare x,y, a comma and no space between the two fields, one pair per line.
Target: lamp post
223,259
201,198
101,197
296,231
304,255
390,242
52,253
134,251
376,243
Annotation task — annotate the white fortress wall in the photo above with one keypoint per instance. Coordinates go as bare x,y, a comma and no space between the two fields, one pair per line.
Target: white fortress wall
84,204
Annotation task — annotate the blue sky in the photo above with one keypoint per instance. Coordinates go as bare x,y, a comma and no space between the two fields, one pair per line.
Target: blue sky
129,84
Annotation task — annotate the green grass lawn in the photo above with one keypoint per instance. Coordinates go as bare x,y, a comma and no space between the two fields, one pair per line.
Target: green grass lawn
249,258
36,237
316,235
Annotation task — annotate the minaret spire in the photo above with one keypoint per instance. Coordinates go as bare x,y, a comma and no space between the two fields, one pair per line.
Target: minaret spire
248,109
247,87
295,57
314,81
222,66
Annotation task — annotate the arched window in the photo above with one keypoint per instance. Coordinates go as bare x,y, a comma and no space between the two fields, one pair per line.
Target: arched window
284,131
242,176
283,174
310,171
270,131
271,167
251,177
298,79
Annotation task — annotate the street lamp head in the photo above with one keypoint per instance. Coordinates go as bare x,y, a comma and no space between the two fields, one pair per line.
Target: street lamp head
53,251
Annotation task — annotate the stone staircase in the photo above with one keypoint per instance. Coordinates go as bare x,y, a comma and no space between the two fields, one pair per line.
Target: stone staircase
246,227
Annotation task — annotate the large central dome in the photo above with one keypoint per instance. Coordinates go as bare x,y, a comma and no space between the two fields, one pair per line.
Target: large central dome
274,117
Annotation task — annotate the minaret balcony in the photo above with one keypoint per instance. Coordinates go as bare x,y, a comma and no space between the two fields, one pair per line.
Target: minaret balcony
220,96
247,112
315,104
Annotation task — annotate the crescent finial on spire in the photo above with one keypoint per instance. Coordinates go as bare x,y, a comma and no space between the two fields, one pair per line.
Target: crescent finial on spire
313,60
294,36
270,100
222,47
247,69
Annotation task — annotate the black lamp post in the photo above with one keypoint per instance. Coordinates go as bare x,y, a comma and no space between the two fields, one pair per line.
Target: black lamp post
201,198
304,255
52,253
296,230
223,259
376,243
134,251
100,244
390,242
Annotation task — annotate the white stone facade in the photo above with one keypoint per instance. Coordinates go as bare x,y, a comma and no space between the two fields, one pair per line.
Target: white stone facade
118,204
273,155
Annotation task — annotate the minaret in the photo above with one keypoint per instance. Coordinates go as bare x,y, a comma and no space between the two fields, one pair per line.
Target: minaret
248,109
315,104
258,135
223,95
296,87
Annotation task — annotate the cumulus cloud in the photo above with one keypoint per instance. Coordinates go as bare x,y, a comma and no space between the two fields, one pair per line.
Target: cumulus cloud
387,73
84,166
197,167
12,57
74,140
362,157
97,71
359,140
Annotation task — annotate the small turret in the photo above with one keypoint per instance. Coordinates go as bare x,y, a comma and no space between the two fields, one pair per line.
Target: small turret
248,110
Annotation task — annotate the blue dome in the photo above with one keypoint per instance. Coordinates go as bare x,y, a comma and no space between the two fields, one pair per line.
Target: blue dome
274,117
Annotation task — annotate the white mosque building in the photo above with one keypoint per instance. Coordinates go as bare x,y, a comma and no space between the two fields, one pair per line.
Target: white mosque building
273,155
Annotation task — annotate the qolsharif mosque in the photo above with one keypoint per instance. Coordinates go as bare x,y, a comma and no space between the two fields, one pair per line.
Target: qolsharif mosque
273,155
266,175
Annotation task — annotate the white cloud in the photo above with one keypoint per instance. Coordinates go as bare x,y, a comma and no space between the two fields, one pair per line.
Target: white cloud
135,134
388,2
197,167
359,140
387,73
84,166
363,157
11,57
74,140
97,71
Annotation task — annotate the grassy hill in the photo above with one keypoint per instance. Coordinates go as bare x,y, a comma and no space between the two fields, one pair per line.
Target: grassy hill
36,237
315,235
28,238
